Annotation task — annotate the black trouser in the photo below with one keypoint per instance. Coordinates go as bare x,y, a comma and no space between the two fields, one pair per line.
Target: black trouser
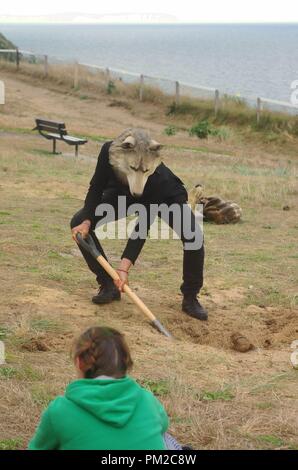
193,259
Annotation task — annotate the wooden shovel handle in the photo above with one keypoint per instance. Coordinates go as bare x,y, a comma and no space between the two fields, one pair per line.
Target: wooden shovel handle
89,245
115,276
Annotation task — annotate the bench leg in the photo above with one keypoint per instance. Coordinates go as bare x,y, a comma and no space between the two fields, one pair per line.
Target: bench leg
54,146
77,151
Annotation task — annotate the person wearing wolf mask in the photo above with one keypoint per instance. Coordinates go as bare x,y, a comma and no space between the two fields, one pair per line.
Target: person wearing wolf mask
131,166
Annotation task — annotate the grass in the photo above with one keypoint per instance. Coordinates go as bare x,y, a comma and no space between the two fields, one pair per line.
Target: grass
225,395
216,398
233,113
265,405
3,332
26,372
44,324
40,396
7,372
271,125
159,388
11,444
271,441
170,130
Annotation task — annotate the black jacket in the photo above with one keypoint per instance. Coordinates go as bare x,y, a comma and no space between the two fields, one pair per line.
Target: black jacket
161,187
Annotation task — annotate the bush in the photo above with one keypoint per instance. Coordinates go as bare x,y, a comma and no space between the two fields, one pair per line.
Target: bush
202,129
111,87
170,130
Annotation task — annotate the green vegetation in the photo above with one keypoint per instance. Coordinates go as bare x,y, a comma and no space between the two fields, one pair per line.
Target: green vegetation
111,87
44,324
170,130
7,372
202,129
265,405
233,111
270,440
224,395
6,44
272,125
3,332
159,388
41,396
243,400
11,444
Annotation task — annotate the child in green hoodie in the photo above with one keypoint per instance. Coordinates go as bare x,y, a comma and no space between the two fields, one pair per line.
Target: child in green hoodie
104,409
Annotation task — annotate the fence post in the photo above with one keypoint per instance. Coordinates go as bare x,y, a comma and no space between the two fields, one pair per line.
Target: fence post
141,87
46,66
108,77
259,109
177,95
216,102
76,75
17,58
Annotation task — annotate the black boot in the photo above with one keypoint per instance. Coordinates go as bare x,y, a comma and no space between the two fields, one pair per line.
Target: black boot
192,307
106,294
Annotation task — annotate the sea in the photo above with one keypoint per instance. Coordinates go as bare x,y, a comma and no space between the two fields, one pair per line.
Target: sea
247,60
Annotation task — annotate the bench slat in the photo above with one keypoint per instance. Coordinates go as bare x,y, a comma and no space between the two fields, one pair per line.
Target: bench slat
51,129
75,140
54,136
49,123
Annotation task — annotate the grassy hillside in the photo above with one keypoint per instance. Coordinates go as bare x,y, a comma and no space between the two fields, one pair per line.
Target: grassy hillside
216,397
234,115
5,43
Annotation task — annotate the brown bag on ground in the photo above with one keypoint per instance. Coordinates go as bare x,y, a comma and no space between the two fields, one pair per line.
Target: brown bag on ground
215,209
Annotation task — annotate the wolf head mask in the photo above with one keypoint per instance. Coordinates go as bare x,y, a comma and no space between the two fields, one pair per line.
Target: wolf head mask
134,156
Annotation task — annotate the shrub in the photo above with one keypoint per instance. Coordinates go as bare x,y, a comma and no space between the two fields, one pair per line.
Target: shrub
202,129
111,87
170,130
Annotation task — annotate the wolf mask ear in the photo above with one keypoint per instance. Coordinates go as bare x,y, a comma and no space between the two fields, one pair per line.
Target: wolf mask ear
129,142
155,146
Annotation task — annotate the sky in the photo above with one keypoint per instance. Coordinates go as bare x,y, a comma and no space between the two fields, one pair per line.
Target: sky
195,11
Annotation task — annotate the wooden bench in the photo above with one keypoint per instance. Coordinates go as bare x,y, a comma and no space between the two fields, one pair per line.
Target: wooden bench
52,130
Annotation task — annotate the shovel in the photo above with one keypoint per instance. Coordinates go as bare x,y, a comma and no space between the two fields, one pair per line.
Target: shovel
89,245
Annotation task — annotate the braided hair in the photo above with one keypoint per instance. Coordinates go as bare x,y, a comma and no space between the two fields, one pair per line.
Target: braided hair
102,351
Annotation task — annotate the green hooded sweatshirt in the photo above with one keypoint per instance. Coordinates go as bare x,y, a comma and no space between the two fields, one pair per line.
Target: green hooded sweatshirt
102,414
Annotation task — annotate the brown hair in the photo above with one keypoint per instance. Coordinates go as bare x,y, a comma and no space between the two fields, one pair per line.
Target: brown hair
102,351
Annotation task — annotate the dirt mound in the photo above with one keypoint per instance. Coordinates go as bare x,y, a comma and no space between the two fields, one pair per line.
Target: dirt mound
48,308
34,344
264,327
241,343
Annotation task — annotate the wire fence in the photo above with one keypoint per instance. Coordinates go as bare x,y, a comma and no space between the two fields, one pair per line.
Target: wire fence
176,89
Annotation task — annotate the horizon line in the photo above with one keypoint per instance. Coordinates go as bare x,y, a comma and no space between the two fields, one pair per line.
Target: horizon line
141,23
